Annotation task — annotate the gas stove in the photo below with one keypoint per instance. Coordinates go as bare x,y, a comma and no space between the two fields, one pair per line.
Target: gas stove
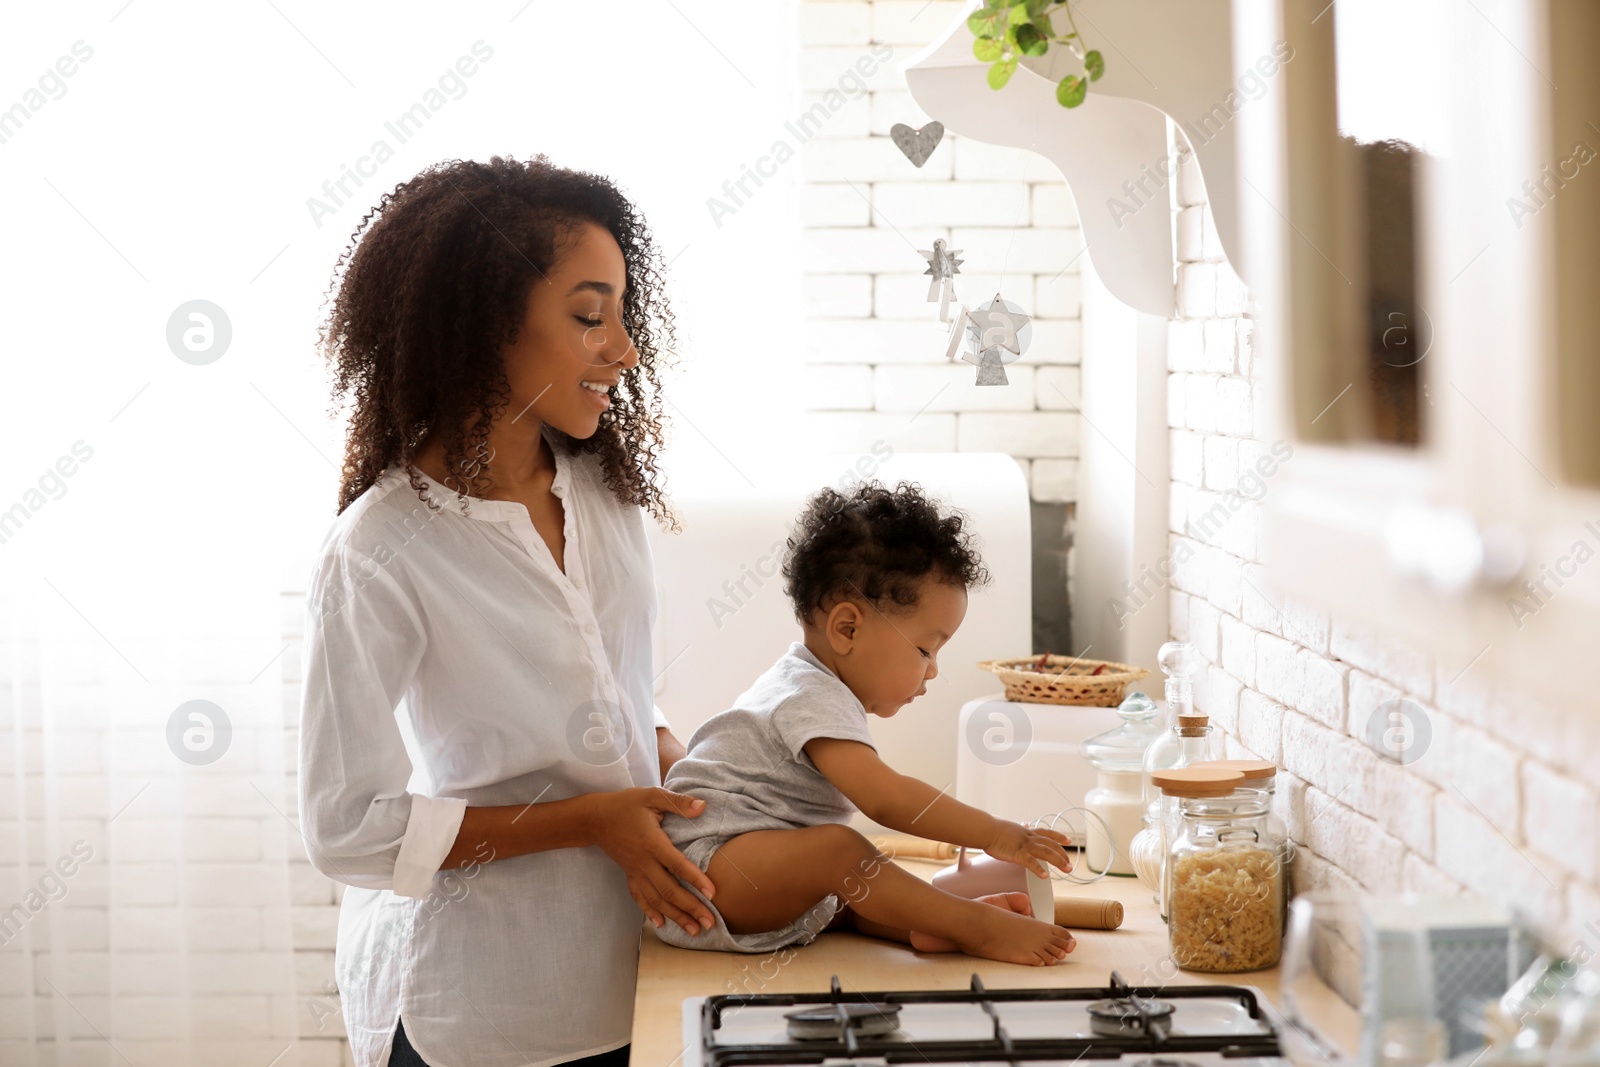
1173,1026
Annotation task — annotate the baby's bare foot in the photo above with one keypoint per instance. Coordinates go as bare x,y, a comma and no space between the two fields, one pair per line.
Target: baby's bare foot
1001,935
1016,902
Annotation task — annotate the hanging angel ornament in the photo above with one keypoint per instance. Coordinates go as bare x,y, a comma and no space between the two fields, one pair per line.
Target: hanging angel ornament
943,265
959,333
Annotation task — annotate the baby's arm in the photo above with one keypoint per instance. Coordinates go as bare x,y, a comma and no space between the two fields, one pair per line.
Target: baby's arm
912,806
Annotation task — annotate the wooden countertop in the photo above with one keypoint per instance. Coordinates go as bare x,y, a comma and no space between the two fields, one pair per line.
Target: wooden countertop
667,975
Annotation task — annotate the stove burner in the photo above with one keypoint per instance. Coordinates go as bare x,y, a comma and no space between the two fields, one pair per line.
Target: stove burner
1132,1017
829,1021
1160,1062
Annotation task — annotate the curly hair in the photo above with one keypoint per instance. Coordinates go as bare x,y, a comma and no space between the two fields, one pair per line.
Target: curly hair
876,544
434,283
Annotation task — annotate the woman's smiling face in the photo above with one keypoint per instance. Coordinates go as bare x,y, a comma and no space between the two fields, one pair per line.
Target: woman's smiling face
572,349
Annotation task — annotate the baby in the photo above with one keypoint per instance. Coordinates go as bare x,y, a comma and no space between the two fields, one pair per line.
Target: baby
879,580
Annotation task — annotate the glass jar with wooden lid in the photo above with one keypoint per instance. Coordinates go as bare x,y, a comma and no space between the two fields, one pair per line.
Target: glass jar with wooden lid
1262,776
1223,879
1165,820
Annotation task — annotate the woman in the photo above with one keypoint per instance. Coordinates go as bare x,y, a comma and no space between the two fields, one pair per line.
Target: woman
480,759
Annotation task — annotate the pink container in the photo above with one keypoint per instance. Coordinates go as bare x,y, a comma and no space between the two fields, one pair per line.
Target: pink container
973,878
980,877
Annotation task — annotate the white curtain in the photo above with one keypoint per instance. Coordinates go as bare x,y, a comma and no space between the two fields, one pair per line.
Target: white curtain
144,897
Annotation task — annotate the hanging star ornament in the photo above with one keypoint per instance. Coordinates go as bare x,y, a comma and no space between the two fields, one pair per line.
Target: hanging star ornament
990,337
943,264
996,326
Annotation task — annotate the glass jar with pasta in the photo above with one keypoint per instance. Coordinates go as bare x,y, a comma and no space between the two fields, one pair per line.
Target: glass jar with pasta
1262,776
1224,880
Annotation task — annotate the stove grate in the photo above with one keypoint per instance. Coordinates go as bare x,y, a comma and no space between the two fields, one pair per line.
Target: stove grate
1000,1046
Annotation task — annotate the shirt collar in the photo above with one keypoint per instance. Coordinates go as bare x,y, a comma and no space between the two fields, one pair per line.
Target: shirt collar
563,478
799,650
490,510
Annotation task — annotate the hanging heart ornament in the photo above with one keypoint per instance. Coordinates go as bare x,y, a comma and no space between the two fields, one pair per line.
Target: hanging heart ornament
917,145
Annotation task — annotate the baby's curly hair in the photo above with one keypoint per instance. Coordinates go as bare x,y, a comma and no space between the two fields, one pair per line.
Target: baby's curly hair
877,545
432,285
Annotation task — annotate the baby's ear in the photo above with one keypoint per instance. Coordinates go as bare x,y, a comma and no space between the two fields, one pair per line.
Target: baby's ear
843,625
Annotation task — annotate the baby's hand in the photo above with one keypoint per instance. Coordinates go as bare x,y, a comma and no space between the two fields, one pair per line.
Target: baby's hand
1030,847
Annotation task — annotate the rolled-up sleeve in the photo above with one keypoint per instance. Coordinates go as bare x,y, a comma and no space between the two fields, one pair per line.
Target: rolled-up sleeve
661,720
363,641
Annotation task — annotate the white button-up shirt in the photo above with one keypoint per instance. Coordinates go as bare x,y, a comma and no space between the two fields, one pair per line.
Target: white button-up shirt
448,661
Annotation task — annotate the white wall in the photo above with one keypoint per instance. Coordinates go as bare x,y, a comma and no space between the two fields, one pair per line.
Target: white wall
1502,800
873,348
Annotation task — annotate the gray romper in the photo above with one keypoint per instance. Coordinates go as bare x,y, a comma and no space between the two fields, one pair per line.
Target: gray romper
748,765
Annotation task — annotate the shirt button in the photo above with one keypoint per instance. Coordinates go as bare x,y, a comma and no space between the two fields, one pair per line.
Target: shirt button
577,583
588,627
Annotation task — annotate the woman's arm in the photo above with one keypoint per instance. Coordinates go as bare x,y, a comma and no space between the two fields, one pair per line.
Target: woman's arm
669,748
912,806
625,824
364,828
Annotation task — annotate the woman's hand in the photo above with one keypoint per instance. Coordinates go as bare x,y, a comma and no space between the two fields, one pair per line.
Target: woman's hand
1030,847
626,824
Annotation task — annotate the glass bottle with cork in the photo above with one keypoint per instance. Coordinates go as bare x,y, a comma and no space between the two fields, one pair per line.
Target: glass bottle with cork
1191,739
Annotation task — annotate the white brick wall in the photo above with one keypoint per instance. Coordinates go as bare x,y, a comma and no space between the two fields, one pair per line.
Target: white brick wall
1502,801
874,348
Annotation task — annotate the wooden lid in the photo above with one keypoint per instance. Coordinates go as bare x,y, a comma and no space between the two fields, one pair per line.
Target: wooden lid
1197,781
1252,769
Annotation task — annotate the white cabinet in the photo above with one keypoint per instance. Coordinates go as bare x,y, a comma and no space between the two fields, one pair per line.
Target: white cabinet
1421,218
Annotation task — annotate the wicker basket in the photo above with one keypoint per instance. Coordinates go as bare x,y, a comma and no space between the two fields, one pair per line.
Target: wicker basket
1064,680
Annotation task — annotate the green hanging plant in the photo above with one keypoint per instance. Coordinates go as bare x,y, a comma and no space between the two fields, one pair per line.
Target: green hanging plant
1008,29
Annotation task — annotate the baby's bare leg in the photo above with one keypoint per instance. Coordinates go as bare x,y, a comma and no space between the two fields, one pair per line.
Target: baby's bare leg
768,878
864,925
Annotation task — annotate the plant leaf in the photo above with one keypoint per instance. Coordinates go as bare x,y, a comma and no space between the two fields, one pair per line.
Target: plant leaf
986,22
1019,13
1029,42
1070,92
1094,63
1036,7
986,49
1001,72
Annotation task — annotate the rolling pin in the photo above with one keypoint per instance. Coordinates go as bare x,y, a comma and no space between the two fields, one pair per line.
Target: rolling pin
1082,913
907,847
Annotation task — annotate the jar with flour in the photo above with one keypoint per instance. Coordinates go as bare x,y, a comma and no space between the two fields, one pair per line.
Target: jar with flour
1116,803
